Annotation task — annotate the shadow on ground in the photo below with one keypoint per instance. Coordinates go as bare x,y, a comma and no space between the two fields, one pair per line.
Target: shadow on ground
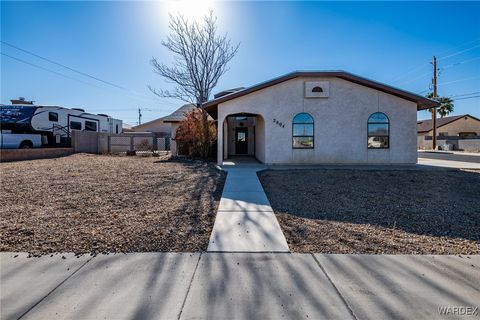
371,211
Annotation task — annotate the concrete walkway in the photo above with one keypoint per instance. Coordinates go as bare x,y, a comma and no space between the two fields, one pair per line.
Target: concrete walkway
237,286
245,221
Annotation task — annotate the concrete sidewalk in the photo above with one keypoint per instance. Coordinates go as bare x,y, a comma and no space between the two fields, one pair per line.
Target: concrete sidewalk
245,221
237,286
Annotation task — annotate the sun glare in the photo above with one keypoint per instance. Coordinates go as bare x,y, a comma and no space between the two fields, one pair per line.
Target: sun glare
193,10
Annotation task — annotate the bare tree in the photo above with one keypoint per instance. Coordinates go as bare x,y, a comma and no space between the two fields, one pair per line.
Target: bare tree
201,58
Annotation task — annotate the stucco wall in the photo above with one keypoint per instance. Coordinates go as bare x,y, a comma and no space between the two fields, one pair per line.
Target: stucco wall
465,124
340,123
154,126
173,143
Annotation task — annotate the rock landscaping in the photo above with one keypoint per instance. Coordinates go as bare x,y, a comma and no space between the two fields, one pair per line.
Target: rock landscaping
364,211
91,203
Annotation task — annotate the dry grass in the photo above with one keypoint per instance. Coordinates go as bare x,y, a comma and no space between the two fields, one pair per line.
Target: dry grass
88,203
395,212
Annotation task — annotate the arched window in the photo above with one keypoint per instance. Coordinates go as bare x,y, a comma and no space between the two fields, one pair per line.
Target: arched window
302,131
317,89
378,131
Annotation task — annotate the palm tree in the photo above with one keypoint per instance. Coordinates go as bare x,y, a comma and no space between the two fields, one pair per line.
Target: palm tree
446,105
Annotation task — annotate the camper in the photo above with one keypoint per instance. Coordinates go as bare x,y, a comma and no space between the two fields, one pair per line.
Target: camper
53,123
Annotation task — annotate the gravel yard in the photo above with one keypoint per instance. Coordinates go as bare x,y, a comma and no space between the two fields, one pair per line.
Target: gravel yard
89,204
394,212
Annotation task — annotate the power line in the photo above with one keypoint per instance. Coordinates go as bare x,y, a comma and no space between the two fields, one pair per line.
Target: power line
465,98
63,66
460,80
461,62
464,94
459,46
459,52
48,70
423,65
131,92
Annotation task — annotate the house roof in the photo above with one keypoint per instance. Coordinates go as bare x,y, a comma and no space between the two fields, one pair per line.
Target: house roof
422,102
426,125
179,114
147,123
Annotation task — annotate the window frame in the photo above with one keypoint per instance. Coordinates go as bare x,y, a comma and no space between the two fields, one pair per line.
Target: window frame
91,122
378,135
70,125
52,114
303,136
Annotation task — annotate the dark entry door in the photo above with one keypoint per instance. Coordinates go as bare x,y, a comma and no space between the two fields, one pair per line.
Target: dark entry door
241,141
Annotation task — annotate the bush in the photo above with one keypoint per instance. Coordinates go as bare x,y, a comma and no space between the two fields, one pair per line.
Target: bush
197,135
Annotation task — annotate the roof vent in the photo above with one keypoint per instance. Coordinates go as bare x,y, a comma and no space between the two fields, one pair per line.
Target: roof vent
103,114
78,109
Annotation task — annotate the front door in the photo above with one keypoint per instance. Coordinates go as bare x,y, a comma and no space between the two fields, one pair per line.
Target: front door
241,141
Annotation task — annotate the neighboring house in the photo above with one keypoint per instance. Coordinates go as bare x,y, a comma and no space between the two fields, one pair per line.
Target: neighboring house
174,120
463,125
127,127
155,126
456,132
166,126
319,117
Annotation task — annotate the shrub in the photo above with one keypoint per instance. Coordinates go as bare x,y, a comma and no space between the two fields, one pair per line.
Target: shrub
197,134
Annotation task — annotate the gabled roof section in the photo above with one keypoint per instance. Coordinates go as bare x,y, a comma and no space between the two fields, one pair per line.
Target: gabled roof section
426,125
422,102
179,114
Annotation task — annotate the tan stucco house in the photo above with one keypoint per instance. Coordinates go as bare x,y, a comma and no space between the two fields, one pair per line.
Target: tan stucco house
318,117
463,125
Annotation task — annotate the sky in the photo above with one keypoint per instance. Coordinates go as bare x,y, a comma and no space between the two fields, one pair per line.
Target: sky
111,44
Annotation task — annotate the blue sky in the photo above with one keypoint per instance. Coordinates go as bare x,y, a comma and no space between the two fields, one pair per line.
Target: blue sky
391,42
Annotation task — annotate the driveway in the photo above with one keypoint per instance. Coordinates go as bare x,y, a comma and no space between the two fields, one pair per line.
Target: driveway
449,160
238,286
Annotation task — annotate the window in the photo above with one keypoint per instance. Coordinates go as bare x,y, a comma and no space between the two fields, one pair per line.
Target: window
302,131
467,134
317,89
443,134
53,116
378,131
90,126
74,125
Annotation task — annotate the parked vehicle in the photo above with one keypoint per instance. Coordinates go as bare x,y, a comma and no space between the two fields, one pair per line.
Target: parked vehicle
53,123
10,140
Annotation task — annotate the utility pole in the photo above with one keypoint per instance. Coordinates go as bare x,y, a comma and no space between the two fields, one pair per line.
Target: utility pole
434,110
139,116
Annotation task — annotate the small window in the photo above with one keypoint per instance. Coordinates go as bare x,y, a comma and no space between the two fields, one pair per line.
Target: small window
90,126
378,131
467,134
302,131
241,118
317,89
443,134
53,116
74,125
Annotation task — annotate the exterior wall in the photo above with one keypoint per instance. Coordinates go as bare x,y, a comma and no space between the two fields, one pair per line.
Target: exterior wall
340,128
173,143
154,126
465,124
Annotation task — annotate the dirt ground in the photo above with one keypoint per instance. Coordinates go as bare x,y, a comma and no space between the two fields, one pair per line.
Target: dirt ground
394,212
88,204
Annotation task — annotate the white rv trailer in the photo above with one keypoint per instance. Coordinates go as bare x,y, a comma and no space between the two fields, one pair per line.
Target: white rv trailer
54,123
